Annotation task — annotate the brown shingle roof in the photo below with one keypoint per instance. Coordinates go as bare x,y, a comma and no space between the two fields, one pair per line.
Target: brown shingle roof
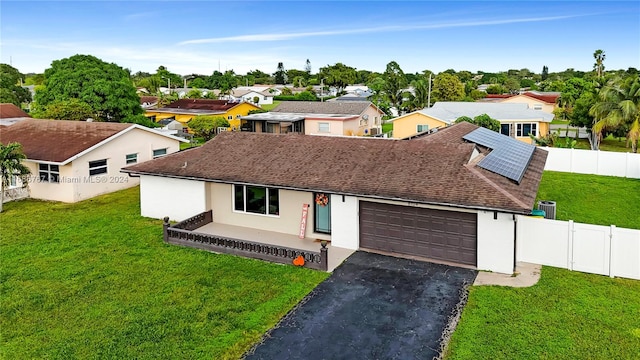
315,107
58,140
8,111
549,99
148,100
428,171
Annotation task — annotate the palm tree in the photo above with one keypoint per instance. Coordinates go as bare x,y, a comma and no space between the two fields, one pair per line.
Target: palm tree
11,157
599,55
421,91
618,105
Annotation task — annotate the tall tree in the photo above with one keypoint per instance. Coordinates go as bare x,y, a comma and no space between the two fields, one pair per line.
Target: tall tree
545,72
394,84
11,157
618,105
105,87
280,75
307,67
338,75
10,89
447,87
599,56
483,120
421,93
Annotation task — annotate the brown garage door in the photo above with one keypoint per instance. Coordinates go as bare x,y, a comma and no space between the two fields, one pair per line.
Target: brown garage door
435,234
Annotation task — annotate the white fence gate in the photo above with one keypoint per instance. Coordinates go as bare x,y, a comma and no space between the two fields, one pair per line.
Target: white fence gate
593,162
605,250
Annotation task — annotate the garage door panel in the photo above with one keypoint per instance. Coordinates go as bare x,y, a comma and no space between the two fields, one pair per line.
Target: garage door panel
437,234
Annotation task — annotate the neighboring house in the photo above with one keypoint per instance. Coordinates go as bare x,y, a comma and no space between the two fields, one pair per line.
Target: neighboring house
250,96
319,118
357,89
536,100
11,114
517,120
148,102
76,160
184,110
363,96
431,197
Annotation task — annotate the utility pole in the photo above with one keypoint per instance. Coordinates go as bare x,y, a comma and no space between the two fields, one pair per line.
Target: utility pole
429,96
322,90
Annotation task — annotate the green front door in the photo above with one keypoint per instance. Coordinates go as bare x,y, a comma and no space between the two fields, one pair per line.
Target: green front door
322,211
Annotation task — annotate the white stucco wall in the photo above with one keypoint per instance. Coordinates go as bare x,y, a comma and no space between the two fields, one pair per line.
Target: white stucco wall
136,141
176,198
344,222
495,242
288,220
61,191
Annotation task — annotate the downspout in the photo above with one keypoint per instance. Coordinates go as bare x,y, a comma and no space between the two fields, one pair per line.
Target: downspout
515,240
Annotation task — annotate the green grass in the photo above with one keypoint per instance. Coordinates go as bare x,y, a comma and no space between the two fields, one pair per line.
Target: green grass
269,107
567,315
387,127
95,280
593,199
609,143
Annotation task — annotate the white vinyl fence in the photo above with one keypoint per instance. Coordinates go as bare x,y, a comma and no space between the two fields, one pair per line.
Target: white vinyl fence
593,162
605,250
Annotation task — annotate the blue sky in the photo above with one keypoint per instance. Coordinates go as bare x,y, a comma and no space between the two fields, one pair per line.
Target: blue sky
203,36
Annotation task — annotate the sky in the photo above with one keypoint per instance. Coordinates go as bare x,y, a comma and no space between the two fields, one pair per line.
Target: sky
203,36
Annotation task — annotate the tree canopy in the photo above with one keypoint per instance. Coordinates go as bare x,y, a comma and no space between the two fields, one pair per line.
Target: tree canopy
394,84
106,87
338,75
10,90
483,120
206,126
447,87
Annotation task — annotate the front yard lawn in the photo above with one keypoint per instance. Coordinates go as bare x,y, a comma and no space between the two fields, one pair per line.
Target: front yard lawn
566,315
95,280
593,199
609,143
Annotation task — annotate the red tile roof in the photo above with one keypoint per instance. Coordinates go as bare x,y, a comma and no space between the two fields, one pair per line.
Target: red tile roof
202,104
8,111
58,140
549,99
432,170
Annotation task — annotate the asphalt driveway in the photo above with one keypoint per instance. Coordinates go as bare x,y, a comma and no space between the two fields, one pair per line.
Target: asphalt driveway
372,307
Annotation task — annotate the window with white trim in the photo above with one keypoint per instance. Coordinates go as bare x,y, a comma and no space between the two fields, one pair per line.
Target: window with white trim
97,167
324,127
13,181
159,152
422,127
524,129
131,158
256,200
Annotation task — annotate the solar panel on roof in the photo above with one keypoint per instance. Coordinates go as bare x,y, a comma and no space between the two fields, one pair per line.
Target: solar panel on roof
508,157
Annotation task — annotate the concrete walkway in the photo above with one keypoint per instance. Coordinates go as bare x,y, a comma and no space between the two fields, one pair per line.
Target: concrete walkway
526,275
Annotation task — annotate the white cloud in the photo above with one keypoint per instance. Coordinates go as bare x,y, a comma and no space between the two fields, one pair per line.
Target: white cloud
381,29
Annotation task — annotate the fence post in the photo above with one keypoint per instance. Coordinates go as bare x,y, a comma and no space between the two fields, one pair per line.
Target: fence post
165,228
612,229
324,259
570,246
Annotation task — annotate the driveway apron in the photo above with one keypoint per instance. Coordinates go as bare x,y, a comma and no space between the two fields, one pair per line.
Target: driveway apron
371,307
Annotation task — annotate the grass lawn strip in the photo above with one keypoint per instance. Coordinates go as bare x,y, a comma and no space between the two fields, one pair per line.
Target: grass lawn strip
95,280
592,199
567,315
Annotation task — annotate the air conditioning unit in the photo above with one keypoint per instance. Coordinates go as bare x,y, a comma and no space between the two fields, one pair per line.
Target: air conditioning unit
549,208
373,131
